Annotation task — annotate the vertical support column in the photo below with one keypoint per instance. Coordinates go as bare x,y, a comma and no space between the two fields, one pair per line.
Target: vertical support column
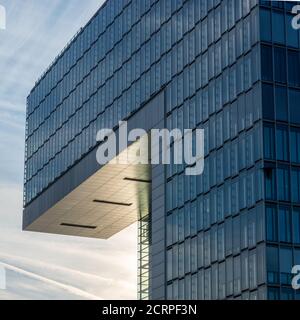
144,242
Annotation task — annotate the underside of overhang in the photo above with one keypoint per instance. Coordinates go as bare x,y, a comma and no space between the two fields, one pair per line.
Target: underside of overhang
110,200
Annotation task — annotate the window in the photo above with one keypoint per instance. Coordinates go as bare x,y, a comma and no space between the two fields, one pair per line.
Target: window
199,213
282,143
247,71
252,226
175,262
194,287
217,23
207,259
187,256
180,190
273,293
233,120
278,27
169,291
296,226
200,249
181,260
169,195
292,34
281,103
187,220
286,264
247,33
194,254
236,234
295,145
210,27
269,144
239,38
229,276
214,243
218,58
287,294
265,25
181,224
240,75
225,86
231,47
294,98
285,232
169,230
228,236
250,148
175,290
193,217
270,182
272,223
206,218
260,223
267,63
204,35
169,264
294,66
283,183
268,101
296,185
200,285
236,275
222,281
244,270
272,265
242,151
225,50
181,293
244,230
231,13
207,284
280,64
174,226
220,203
174,192
214,285
221,242
224,14
242,191
205,104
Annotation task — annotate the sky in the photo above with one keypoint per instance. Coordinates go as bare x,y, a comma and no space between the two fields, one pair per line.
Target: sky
36,265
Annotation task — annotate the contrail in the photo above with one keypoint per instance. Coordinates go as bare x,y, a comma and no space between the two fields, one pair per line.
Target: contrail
68,288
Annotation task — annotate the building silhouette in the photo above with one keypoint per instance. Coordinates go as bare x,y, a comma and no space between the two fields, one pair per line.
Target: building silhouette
230,67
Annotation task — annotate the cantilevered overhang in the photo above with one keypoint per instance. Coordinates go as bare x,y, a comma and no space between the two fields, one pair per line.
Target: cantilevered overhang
110,200
91,200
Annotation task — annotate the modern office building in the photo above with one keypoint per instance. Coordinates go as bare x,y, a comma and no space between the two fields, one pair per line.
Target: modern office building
231,67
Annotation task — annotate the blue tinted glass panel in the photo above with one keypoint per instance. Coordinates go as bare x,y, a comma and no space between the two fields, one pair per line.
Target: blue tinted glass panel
281,103
278,27
265,25
268,101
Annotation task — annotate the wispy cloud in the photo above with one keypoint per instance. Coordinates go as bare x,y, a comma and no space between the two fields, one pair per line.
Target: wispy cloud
46,266
94,266
68,288
36,32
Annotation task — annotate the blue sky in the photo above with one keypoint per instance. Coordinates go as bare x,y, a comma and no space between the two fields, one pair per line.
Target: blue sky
40,265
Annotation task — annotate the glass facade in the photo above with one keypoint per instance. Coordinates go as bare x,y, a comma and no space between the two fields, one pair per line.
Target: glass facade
281,120
230,67
123,56
215,221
